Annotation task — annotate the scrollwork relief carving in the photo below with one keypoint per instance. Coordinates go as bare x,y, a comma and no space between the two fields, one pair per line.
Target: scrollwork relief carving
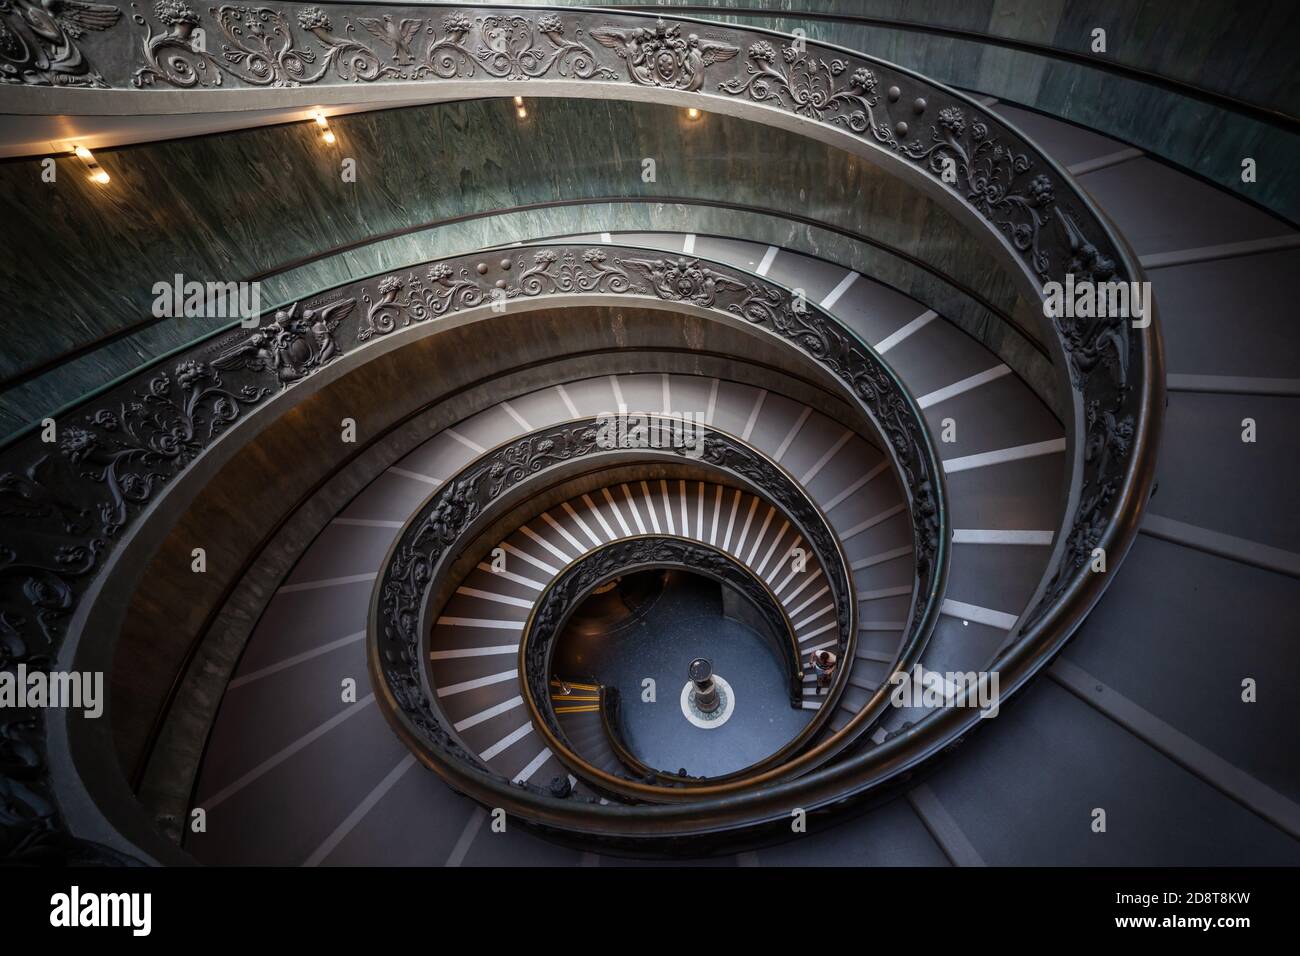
811,86
560,271
260,46
416,299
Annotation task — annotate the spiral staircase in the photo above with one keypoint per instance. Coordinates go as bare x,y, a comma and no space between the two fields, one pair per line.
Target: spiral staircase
414,476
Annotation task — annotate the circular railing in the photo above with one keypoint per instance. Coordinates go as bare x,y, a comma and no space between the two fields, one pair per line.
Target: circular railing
405,602
564,595
71,505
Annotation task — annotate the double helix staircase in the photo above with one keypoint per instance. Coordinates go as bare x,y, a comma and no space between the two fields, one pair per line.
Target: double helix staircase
391,689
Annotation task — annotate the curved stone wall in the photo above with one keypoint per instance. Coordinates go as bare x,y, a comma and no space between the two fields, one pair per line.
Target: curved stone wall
243,205
1039,54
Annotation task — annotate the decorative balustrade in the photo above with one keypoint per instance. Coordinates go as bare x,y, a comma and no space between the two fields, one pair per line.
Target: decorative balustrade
69,503
565,595
446,525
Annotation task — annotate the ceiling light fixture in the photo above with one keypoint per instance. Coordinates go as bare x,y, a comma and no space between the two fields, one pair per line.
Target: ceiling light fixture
692,113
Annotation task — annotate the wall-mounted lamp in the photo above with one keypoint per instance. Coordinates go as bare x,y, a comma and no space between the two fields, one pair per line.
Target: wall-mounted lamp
326,134
97,173
692,113
520,110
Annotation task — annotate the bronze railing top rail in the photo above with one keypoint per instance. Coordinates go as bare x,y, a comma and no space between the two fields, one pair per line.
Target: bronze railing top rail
404,603
692,282
565,592
70,500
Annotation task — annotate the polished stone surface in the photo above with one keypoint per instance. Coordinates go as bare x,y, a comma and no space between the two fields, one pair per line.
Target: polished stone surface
1208,44
247,205
658,641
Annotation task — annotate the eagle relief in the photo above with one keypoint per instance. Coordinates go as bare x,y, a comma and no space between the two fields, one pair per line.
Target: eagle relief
38,41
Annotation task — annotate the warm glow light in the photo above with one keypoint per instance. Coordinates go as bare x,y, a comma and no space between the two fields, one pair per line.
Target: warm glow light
693,113
523,113
519,101
326,134
87,158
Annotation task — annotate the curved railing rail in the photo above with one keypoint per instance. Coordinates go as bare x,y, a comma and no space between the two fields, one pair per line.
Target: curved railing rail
67,502
979,165
71,502
611,723
713,288
445,528
562,597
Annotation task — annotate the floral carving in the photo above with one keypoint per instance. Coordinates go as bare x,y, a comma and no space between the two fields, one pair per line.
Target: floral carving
424,299
510,49
810,86
445,289
260,47
173,12
992,174
145,440
559,271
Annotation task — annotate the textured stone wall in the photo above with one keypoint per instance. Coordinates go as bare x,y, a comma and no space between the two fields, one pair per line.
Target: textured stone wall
243,205
1244,51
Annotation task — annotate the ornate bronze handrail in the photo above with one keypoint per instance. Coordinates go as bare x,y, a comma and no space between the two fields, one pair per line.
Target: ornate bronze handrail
562,597
72,504
66,509
976,163
403,604
611,706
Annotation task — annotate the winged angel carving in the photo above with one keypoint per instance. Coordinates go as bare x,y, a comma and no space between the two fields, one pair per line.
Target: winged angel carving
38,41
661,56
290,345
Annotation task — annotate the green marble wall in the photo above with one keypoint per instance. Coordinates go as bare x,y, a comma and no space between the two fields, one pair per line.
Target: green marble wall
83,259
242,205
1241,50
